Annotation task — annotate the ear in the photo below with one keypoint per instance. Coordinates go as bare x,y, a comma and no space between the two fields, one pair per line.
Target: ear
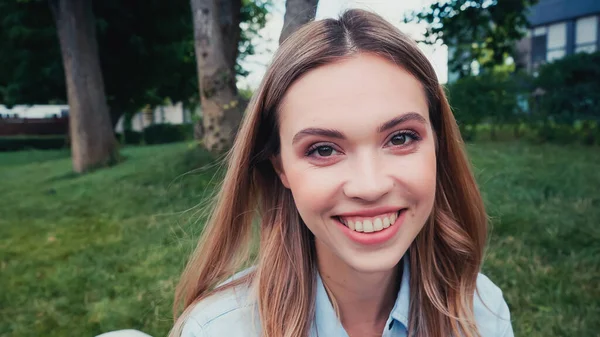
276,162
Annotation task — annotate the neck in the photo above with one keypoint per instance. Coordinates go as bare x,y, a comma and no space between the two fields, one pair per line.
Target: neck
364,300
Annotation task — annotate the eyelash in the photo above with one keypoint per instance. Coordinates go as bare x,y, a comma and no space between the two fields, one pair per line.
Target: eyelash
410,133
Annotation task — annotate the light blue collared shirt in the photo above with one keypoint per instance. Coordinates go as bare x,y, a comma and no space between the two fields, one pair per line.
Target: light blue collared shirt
233,313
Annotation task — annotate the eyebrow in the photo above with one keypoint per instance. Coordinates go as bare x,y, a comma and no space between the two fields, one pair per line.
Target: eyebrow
411,116
329,133
332,133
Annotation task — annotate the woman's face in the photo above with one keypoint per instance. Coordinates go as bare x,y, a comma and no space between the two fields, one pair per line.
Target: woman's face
358,154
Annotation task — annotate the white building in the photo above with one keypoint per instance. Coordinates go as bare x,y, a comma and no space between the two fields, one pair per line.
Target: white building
168,114
35,111
560,28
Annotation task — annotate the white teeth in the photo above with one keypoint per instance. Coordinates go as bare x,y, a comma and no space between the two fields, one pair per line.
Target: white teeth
377,224
368,226
358,226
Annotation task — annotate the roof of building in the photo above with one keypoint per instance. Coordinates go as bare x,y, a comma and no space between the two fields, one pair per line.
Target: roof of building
549,11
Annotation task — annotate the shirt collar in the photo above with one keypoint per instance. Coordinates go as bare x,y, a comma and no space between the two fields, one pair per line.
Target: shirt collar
401,307
326,321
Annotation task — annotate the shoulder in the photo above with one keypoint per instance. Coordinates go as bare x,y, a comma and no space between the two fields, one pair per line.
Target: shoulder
491,310
230,312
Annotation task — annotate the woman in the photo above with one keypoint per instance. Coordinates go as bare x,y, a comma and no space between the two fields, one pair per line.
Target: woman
350,166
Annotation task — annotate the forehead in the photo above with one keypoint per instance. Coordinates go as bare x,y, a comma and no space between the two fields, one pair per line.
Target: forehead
359,91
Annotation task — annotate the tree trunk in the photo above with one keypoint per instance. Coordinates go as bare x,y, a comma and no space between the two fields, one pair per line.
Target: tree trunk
230,16
221,106
297,13
93,143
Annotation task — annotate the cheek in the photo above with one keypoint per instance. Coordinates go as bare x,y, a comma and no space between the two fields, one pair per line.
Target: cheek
313,191
419,178
428,184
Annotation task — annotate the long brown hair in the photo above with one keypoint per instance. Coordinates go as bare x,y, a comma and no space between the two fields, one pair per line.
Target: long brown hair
446,255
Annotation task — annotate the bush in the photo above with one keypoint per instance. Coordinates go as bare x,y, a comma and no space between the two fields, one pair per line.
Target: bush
168,133
491,97
570,89
567,100
131,137
581,132
18,143
158,134
465,105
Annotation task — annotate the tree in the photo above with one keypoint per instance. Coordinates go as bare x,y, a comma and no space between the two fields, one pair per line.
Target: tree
218,42
144,60
31,68
215,51
218,39
92,140
156,60
297,13
146,53
480,31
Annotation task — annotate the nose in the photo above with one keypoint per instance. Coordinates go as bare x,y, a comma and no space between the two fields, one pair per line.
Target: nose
368,179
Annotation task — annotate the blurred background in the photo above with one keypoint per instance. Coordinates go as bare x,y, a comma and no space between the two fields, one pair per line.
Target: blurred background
114,114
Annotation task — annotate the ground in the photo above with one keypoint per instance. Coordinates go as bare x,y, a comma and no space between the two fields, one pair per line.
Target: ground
82,255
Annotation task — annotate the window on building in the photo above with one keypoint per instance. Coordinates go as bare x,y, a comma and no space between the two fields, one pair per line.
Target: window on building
586,34
556,42
538,46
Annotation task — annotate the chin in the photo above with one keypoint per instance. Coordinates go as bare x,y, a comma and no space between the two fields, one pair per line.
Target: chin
374,262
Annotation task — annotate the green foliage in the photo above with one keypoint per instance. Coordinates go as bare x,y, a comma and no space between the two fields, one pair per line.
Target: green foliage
30,61
130,137
144,57
561,104
466,104
566,102
582,132
168,133
490,97
571,89
158,134
83,255
482,31
253,18
146,52
246,93
19,143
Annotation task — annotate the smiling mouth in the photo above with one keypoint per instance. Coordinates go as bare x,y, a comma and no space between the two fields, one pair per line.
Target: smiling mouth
370,224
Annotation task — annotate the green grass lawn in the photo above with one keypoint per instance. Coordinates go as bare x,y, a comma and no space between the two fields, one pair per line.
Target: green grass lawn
82,255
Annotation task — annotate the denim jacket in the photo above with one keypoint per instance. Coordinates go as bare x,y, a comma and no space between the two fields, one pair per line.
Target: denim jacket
233,313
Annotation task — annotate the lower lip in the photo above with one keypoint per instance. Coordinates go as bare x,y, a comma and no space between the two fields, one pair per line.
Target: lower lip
373,238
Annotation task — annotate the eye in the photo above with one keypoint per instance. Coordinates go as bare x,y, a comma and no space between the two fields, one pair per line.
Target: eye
404,138
325,151
321,151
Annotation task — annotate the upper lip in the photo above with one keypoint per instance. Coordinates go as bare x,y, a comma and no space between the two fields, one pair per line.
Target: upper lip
371,212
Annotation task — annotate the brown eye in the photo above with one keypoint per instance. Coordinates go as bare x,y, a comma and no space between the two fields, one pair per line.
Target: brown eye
324,151
404,138
399,139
